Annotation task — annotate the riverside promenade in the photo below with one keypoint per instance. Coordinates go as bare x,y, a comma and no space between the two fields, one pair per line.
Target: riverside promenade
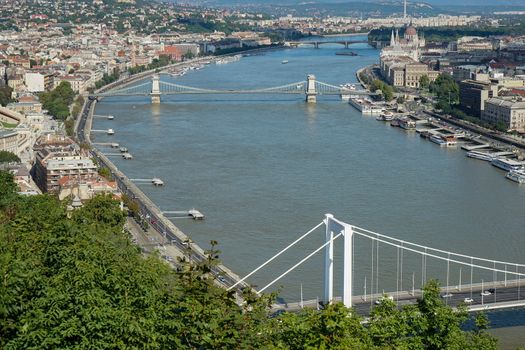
172,235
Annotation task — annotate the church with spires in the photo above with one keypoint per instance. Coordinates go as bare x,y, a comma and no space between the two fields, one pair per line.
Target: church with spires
399,61
408,46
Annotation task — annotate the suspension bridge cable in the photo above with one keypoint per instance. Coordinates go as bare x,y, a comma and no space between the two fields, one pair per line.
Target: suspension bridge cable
517,271
276,255
377,267
433,255
471,275
401,269
429,248
397,275
300,262
372,272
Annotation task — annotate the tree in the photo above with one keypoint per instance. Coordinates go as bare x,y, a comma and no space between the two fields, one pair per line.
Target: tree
424,82
5,95
57,101
8,157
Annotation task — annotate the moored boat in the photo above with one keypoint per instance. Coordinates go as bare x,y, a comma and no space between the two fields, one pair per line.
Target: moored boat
507,164
516,176
480,155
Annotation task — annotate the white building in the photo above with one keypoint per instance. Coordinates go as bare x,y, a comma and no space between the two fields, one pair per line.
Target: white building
35,82
510,112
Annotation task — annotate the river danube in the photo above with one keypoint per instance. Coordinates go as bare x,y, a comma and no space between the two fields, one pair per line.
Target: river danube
265,169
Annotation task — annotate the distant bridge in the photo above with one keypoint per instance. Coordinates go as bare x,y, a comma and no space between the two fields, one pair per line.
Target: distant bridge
310,88
317,43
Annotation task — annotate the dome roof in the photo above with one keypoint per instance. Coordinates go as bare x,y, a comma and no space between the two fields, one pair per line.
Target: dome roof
411,31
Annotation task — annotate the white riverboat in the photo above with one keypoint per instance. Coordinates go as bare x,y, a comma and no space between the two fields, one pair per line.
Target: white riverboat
443,141
110,132
480,155
507,164
365,106
386,116
516,176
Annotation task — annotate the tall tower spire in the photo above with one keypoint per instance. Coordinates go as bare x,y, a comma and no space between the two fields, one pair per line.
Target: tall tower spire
405,10
392,39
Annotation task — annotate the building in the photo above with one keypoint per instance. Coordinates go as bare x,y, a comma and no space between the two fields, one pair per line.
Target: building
38,82
404,71
9,141
473,94
510,112
408,46
58,157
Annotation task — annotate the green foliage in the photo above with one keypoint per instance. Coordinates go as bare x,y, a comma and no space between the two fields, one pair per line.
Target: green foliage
424,82
162,61
8,157
105,172
387,90
446,90
107,79
78,282
5,95
57,101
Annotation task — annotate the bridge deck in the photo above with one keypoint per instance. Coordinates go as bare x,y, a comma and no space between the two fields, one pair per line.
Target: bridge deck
511,294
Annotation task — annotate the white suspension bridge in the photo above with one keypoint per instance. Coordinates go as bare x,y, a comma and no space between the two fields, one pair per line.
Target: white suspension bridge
482,284
311,88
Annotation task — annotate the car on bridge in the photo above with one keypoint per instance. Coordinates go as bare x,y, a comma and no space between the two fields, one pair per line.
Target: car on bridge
383,298
485,293
447,295
468,300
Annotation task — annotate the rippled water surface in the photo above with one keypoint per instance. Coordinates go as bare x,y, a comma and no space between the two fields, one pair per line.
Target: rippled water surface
266,168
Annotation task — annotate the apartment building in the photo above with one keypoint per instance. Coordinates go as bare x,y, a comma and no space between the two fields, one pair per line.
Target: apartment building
511,112
473,94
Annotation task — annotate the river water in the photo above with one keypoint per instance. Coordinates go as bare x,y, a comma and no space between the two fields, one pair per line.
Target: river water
266,168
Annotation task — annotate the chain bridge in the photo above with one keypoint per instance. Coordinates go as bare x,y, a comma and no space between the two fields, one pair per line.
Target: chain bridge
310,88
398,269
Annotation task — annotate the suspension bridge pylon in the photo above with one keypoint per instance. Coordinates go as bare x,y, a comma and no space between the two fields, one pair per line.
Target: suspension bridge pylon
155,89
311,92
334,229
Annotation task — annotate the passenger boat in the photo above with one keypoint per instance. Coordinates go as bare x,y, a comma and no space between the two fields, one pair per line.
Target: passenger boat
480,155
365,106
123,149
394,122
284,61
407,123
110,132
507,164
157,182
443,140
516,176
385,116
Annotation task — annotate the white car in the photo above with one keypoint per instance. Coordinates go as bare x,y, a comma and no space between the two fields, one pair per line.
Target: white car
468,300
485,293
447,295
384,297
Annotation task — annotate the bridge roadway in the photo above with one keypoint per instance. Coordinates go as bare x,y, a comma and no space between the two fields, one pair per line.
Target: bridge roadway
317,43
147,208
504,297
